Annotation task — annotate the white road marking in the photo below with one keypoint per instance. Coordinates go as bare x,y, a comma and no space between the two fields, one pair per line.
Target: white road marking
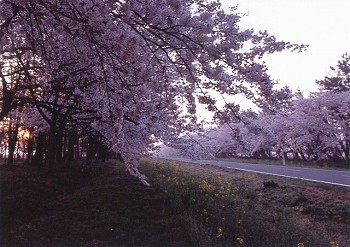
279,175
287,169
300,169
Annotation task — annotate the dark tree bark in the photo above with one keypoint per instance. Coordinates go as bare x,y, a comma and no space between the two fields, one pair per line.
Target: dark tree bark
40,150
91,150
59,146
12,141
51,152
29,151
346,150
69,154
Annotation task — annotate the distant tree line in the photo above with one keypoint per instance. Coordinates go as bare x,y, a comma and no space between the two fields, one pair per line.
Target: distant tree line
314,129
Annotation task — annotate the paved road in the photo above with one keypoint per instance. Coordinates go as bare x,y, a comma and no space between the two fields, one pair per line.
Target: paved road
334,177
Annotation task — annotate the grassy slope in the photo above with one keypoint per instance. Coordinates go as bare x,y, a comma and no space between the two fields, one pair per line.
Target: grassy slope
266,208
99,206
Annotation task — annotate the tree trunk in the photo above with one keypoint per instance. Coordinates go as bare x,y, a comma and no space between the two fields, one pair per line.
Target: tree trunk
59,146
51,152
302,155
346,151
39,151
77,150
51,155
91,150
69,154
29,150
13,137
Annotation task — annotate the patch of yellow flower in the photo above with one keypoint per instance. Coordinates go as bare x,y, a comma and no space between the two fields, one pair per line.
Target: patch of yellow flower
219,233
205,186
299,209
240,241
306,220
334,243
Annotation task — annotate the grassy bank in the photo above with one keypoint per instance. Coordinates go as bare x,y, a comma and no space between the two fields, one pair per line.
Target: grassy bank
233,208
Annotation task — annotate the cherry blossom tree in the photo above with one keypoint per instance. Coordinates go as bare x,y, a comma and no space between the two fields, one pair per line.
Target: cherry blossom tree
288,126
131,70
340,80
316,129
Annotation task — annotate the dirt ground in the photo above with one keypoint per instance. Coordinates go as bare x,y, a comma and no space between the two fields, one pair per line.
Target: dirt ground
101,205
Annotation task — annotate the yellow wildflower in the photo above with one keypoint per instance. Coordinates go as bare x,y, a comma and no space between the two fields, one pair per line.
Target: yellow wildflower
334,243
219,233
240,241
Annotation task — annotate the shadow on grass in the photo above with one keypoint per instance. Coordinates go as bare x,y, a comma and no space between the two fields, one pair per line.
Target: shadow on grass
100,205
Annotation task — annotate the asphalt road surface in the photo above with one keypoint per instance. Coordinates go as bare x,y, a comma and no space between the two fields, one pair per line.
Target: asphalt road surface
335,177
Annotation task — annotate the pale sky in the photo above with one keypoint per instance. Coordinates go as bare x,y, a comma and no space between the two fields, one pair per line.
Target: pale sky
322,24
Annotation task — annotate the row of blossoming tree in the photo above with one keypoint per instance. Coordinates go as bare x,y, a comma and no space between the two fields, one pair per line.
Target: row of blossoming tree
79,77
316,128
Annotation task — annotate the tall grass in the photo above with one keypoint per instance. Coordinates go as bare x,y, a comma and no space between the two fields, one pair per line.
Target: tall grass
220,214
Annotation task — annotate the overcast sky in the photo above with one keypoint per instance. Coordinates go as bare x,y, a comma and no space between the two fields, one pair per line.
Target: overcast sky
322,24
